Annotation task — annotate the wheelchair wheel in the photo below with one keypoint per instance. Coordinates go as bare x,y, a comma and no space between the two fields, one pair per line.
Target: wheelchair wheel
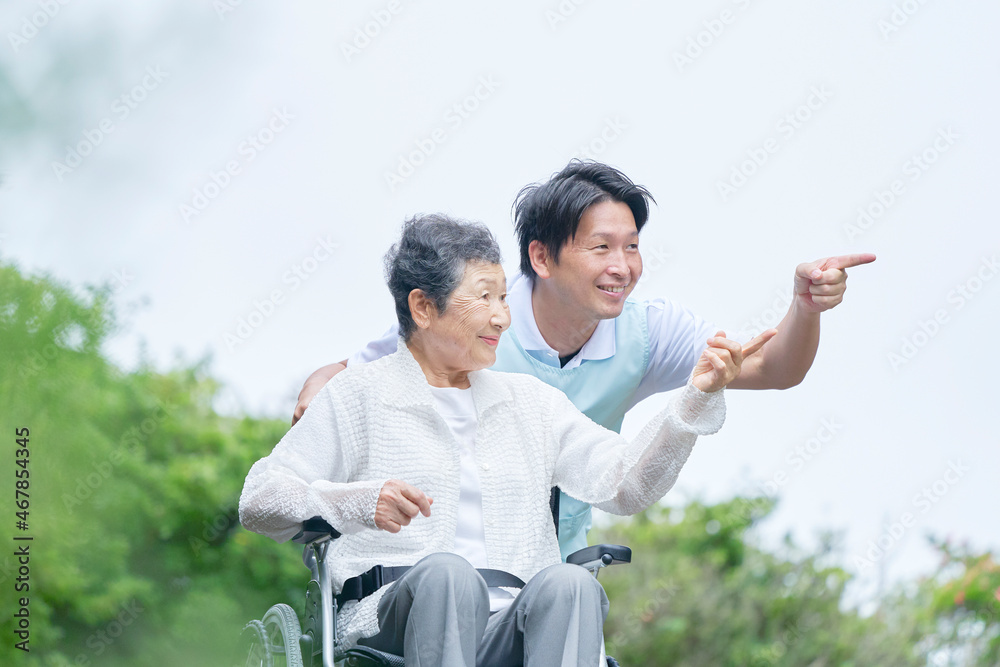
272,641
253,648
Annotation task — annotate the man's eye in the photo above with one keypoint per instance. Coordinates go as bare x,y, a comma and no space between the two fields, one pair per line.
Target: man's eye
603,246
503,297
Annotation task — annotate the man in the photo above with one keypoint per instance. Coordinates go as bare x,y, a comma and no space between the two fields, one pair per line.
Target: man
573,327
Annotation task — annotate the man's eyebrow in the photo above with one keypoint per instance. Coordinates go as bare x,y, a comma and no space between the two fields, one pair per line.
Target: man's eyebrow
604,235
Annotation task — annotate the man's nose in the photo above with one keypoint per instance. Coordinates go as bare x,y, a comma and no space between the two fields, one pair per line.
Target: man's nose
618,265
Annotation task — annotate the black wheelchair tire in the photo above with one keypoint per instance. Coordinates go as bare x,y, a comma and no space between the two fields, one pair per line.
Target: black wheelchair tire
253,649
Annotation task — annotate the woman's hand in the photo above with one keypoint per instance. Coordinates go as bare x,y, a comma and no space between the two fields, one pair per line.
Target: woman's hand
722,360
398,503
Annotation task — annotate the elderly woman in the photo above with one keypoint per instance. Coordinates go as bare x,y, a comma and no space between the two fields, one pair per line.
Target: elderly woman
425,459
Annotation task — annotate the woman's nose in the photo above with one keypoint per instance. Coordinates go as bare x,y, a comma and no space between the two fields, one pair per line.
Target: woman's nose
501,317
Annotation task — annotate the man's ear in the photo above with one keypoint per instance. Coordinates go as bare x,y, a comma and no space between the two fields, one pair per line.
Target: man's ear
421,308
541,259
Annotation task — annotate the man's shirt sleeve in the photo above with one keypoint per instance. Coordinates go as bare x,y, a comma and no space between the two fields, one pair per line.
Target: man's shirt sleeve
677,337
378,348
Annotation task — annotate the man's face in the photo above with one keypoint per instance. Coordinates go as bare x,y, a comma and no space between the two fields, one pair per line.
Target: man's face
599,267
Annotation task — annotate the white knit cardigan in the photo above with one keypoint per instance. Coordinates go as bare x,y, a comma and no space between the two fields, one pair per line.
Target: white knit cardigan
376,421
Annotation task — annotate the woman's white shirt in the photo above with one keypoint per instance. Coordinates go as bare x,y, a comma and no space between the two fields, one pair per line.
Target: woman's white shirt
458,410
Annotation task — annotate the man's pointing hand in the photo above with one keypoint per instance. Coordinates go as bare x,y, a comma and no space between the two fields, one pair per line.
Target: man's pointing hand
820,285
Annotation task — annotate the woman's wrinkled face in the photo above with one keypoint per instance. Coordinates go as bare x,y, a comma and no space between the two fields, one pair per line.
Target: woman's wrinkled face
466,334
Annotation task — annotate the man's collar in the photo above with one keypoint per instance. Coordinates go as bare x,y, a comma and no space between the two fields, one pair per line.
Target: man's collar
600,345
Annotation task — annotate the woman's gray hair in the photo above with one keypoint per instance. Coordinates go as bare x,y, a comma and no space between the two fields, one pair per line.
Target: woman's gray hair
431,256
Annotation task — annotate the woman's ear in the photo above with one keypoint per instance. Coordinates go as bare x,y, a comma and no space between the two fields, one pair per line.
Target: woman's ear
422,309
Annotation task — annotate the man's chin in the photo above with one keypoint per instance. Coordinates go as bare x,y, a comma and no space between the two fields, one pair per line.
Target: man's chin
611,311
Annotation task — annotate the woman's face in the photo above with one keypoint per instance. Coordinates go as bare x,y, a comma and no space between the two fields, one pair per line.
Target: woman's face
466,334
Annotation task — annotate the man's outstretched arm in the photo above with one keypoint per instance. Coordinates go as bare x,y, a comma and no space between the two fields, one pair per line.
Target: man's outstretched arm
312,386
784,362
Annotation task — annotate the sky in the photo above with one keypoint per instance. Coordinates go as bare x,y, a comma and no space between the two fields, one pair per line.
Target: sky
236,171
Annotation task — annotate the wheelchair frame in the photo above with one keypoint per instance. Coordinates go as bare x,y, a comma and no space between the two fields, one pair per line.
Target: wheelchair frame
314,643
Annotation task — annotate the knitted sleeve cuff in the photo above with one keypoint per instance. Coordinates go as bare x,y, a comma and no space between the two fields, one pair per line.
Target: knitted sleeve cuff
699,412
348,507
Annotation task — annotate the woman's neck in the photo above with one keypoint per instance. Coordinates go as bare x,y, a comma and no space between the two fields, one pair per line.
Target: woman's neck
435,369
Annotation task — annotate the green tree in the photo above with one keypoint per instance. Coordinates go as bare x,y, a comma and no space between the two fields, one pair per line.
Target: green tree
137,556
699,593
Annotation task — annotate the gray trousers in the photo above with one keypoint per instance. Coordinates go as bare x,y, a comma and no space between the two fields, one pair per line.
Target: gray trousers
438,613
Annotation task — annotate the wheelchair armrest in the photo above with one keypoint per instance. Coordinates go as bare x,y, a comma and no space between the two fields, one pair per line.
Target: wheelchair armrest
600,555
314,529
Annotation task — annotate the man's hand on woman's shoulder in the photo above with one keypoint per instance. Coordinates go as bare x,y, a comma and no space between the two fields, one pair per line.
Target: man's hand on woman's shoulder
313,384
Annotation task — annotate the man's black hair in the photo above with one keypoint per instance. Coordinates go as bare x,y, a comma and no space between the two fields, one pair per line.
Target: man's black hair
550,212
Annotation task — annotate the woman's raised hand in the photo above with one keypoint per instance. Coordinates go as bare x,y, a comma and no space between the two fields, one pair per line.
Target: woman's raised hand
398,503
722,360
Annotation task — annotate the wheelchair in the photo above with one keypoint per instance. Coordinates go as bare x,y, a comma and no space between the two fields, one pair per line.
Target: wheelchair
278,639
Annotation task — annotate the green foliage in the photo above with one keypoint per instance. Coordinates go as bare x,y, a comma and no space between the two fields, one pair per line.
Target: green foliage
137,557
699,593
962,600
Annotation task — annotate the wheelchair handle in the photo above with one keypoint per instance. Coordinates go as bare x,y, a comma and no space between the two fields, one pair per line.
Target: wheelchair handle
315,529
